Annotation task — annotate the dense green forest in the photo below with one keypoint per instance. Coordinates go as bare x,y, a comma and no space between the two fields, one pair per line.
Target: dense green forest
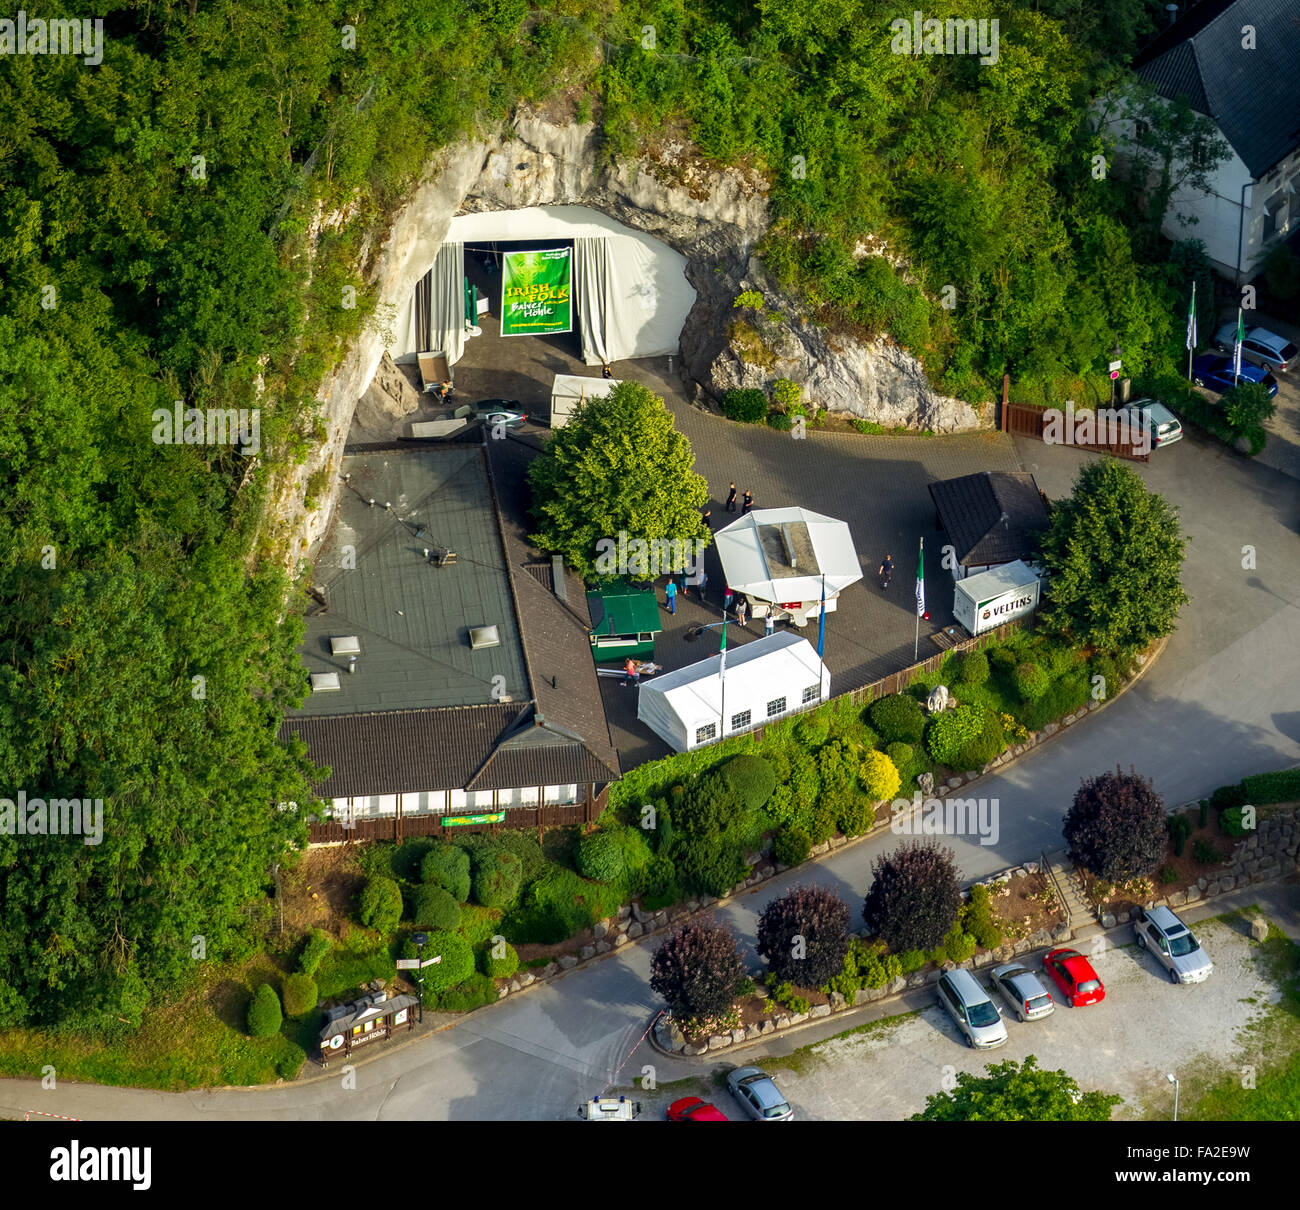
158,243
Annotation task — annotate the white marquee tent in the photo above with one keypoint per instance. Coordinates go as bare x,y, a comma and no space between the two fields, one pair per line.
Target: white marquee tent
631,296
571,390
780,555
765,679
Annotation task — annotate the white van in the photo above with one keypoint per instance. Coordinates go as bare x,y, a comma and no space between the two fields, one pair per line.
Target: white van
970,1007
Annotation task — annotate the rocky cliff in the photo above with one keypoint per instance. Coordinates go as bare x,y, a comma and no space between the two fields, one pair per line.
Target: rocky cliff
714,218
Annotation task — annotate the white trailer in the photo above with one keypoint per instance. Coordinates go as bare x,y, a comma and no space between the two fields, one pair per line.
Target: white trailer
984,601
571,390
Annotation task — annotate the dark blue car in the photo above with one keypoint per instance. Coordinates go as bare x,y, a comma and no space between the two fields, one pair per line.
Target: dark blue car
1216,373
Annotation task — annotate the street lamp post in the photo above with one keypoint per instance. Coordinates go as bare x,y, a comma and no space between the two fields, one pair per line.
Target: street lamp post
1173,1079
421,940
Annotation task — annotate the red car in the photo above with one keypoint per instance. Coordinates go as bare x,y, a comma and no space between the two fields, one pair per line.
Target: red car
1073,974
692,1109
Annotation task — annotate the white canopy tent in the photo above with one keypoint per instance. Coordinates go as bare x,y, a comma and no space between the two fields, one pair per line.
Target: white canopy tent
630,292
571,390
779,556
765,679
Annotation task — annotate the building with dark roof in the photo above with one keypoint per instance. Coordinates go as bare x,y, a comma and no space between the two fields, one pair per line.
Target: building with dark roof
1246,83
448,677
990,518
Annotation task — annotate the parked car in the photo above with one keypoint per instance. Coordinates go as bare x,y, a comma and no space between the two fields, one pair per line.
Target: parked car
1171,943
1216,373
1024,991
1073,974
1263,347
692,1109
758,1095
500,411
610,1109
1156,419
968,1004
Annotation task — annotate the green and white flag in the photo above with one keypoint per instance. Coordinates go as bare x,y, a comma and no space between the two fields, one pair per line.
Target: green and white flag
722,652
1191,320
920,581
1236,352
536,292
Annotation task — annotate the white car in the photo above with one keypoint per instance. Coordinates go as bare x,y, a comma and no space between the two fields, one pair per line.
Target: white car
1171,943
1156,419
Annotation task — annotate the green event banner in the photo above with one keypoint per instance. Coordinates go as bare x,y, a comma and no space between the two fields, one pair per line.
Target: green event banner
536,292
453,821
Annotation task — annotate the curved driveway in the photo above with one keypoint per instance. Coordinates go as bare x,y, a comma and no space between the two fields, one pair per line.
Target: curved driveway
1223,701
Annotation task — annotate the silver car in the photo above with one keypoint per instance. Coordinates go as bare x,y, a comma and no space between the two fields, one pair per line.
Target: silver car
758,1095
1023,991
1261,346
968,1004
1156,419
1171,943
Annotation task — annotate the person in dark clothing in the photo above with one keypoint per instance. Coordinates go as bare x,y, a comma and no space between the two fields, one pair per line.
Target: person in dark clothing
606,372
747,502
708,517
731,499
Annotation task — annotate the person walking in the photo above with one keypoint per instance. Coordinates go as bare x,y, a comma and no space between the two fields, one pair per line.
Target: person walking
742,608
731,499
633,670
769,622
708,517
671,593
747,502
704,579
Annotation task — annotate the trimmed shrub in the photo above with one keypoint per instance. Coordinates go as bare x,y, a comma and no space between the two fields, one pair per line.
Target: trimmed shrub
804,935
457,961
1168,875
901,754
878,777
914,897
812,731
712,866
432,907
473,993
780,421
600,856
696,970
315,947
974,668
447,866
1204,817
978,920
496,880
1116,827
1206,853
264,1015
989,743
660,886
791,845
1031,681
898,718
1281,786
911,961
380,907
300,995
502,967
958,946
855,815
1233,823
746,404
1180,828
1228,796
950,732
750,779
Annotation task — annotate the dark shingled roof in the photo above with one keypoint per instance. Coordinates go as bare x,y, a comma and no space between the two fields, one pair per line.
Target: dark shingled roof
556,735
990,517
1250,94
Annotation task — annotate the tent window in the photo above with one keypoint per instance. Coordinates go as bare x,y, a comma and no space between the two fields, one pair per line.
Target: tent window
776,707
740,721
811,694
645,637
707,732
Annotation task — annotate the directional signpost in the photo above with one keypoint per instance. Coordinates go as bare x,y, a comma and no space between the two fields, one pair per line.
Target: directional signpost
421,940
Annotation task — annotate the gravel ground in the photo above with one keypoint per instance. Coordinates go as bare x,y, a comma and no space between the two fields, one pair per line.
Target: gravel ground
1144,1028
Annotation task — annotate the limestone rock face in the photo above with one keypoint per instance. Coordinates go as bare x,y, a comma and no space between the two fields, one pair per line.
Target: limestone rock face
389,395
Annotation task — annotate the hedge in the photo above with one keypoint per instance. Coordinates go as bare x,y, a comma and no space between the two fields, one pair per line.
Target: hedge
300,995
447,866
746,404
315,947
750,778
435,908
1280,786
502,967
898,718
496,879
381,905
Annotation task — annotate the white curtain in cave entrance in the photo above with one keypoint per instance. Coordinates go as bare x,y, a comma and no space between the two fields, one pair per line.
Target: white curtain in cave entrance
591,273
440,305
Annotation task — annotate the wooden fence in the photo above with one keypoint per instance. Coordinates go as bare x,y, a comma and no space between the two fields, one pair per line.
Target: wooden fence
403,827
1029,420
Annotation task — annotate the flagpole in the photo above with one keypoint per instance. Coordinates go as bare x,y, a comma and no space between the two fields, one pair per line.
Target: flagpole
916,642
722,679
